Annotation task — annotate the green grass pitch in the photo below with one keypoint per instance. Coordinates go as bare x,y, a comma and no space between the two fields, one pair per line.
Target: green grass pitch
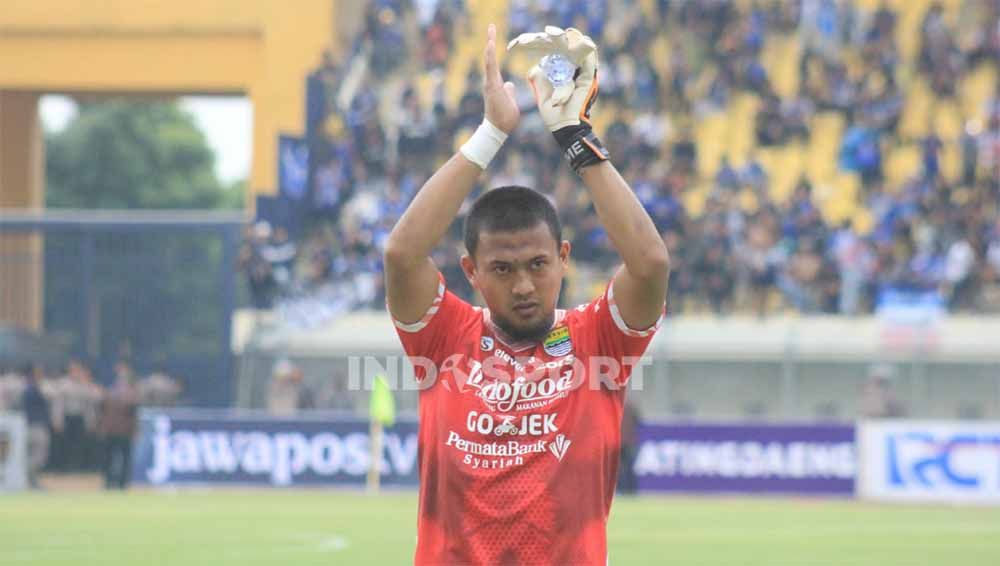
307,527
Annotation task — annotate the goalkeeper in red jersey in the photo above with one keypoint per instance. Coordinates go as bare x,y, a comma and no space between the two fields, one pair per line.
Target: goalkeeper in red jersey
521,402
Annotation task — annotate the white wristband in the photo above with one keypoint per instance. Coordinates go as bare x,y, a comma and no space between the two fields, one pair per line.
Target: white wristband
484,144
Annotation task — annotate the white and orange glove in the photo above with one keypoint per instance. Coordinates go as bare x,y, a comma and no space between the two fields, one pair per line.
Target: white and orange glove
565,109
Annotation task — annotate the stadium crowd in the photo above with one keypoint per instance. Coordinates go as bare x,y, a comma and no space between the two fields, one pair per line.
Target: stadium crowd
738,244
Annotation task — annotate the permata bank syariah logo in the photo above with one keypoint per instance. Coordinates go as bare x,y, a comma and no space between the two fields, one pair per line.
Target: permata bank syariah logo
500,455
494,455
559,446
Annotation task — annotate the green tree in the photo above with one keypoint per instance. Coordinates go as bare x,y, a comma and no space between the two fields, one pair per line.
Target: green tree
133,154
156,290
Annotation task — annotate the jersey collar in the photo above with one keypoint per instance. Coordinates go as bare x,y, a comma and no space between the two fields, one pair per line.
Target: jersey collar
517,345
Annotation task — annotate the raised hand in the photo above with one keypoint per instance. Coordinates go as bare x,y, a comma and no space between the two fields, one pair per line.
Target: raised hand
565,108
567,104
571,43
498,96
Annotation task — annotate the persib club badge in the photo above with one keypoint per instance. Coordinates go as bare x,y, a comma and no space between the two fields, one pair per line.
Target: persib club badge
557,343
486,343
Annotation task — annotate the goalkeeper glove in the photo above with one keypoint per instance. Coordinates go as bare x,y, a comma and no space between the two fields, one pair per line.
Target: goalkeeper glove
565,109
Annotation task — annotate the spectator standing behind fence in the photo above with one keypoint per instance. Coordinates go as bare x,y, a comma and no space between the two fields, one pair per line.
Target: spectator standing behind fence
11,390
280,252
257,269
38,413
79,397
159,390
51,389
878,401
335,394
91,414
287,393
118,426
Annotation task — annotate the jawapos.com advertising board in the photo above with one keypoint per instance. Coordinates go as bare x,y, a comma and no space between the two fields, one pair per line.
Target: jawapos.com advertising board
930,461
747,458
192,449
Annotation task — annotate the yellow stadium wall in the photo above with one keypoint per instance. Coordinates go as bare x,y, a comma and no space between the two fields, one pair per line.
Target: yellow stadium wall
260,48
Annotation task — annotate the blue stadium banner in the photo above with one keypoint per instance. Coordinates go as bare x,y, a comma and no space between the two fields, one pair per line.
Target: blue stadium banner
204,448
747,458
293,167
930,461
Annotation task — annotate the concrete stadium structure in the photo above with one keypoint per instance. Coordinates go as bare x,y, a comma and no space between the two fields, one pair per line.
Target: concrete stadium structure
261,49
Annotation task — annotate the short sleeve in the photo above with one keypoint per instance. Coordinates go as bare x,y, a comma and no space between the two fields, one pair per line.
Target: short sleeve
431,337
601,325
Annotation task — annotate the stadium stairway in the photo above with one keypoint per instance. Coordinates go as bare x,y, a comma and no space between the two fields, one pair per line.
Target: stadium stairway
741,116
826,129
785,165
976,89
902,163
947,118
951,161
838,199
780,58
709,135
469,44
913,122
694,198
948,126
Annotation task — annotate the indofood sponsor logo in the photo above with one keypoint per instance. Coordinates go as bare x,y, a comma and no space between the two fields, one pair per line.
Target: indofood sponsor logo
521,393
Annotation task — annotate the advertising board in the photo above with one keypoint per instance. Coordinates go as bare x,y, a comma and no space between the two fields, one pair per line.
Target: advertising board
747,458
187,448
930,461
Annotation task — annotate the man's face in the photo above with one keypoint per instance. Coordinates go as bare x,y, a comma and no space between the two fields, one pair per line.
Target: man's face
519,274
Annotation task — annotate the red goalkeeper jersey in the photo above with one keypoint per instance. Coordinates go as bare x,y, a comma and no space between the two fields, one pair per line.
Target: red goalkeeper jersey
519,442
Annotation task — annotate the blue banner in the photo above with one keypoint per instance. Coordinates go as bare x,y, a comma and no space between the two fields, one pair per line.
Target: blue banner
747,458
293,167
191,449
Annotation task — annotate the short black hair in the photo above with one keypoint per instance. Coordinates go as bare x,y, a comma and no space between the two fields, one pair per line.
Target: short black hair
508,209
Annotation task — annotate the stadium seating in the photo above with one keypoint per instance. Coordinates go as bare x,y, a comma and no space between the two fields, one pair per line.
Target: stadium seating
782,100
781,60
469,46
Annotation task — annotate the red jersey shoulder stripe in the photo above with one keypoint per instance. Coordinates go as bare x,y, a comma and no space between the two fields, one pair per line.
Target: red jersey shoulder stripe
616,315
424,320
